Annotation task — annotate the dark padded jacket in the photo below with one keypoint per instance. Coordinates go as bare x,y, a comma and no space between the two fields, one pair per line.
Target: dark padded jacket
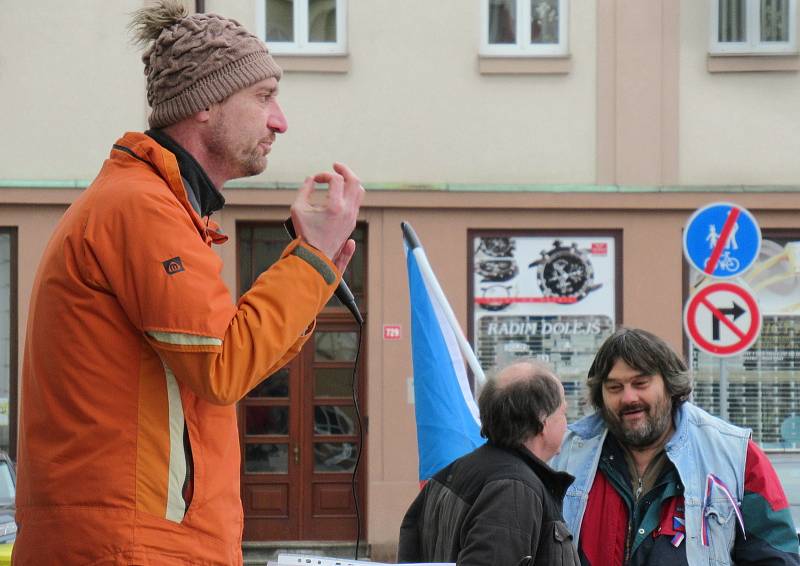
491,507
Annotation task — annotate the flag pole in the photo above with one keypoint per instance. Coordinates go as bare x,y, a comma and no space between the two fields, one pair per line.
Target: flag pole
413,243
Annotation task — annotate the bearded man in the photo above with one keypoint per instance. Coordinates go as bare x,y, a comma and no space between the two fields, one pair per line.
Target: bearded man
660,481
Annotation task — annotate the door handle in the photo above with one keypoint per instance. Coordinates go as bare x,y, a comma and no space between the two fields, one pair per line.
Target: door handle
296,454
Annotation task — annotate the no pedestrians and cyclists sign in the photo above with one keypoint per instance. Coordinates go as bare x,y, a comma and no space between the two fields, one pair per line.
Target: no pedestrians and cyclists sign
722,240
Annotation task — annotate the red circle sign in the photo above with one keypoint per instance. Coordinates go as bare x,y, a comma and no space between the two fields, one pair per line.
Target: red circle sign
717,323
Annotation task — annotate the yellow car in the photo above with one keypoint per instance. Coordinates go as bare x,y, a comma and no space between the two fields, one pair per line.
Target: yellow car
8,528
5,553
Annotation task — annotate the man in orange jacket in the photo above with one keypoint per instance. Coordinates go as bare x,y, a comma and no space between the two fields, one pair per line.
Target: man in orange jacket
135,353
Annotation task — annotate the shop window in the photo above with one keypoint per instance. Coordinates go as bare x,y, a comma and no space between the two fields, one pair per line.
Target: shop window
753,27
527,28
303,27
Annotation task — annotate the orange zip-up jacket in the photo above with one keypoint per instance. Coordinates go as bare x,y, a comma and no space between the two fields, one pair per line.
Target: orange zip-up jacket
134,359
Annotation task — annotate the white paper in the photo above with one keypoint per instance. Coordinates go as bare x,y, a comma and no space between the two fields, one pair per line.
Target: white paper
303,559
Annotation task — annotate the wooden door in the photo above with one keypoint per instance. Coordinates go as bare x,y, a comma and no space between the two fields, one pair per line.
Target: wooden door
330,434
269,433
298,429
299,435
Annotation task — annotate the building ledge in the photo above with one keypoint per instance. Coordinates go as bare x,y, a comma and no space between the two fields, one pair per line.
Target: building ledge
753,63
313,63
491,65
39,184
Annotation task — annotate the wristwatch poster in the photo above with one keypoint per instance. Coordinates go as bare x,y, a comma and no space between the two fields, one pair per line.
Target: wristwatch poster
549,296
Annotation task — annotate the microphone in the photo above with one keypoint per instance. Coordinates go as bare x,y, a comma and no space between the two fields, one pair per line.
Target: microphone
342,292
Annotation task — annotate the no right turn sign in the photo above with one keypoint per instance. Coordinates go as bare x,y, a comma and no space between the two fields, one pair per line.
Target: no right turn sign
722,318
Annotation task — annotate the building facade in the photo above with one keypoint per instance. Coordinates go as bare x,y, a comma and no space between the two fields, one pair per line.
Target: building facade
588,137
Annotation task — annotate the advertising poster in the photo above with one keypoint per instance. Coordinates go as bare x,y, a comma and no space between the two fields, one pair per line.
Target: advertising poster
553,297
763,381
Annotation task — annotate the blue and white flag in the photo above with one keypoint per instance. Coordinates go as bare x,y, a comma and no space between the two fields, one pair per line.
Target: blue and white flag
448,425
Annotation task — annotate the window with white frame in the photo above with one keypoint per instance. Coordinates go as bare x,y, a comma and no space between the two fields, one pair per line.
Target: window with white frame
524,28
303,27
753,26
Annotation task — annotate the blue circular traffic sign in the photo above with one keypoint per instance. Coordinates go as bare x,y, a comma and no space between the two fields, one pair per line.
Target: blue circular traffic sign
722,240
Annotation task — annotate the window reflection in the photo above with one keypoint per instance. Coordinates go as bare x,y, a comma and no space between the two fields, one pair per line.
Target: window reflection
262,419
335,346
544,21
732,20
322,21
275,386
266,458
502,21
7,489
329,420
775,20
335,456
333,382
280,20
6,333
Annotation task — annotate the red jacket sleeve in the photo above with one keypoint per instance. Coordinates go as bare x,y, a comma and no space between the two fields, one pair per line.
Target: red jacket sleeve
771,537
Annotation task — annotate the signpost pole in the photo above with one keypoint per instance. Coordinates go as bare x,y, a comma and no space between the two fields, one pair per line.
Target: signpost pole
723,389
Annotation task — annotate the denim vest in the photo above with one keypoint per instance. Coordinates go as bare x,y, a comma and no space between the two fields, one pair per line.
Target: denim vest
701,444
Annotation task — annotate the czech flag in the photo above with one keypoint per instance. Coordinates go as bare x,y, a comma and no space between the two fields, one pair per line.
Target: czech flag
448,425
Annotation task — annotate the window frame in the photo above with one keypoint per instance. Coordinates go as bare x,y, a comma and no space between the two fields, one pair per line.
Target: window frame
13,360
301,44
523,46
753,45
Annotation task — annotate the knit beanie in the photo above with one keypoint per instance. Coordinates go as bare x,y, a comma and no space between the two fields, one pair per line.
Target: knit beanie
193,61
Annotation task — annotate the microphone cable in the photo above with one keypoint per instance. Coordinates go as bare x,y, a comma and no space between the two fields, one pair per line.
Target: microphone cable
345,297
360,445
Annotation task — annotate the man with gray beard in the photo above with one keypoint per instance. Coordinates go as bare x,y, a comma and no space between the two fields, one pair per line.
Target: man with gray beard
670,484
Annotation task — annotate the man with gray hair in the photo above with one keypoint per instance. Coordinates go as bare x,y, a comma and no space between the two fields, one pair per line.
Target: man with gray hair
500,505
136,354
660,481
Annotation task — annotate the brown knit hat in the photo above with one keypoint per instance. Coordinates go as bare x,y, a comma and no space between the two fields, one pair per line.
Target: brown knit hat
195,61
